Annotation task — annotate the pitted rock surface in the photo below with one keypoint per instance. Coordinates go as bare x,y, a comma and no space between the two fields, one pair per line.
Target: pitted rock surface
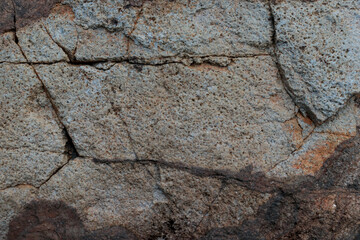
151,119
317,46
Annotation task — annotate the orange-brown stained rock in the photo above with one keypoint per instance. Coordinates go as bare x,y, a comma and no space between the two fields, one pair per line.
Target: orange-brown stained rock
326,203
63,10
313,160
25,12
293,127
306,120
46,220
208,67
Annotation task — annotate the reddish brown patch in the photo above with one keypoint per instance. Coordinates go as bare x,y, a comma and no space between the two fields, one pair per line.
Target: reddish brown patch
305,119
326,203
65,10
54,220
46,220
292,126
313,160
208,67
28,11
276,99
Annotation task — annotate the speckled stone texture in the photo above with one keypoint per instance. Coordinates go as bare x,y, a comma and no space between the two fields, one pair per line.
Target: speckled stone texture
177,119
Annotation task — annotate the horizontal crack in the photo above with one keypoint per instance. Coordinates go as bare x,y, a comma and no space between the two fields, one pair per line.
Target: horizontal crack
245,177
149,62
19,186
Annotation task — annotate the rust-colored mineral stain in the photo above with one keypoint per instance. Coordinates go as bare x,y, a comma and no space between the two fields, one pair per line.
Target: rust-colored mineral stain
292,126
326,203
306,120
208,67
65,10
313,160
276,99
46,220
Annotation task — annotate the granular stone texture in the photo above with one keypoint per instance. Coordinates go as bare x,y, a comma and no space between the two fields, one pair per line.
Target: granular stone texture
177,119
317,45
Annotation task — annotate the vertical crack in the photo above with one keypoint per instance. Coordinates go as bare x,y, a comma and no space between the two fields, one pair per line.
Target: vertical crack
73,153
275,52
70,147
76,45
131,140
303,108
128,36
16,38
158,182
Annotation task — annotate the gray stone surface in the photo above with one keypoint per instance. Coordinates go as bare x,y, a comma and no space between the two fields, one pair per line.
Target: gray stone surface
38,46
319,145
108,195
206,116
9,50
31,139
156,29
84,107
137,119
318,47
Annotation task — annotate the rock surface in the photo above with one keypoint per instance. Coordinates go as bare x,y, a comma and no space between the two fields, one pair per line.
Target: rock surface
136,119
318,48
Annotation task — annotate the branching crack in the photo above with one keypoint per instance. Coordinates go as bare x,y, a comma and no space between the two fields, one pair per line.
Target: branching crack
54,173
184,60
294,151
67,52
70,143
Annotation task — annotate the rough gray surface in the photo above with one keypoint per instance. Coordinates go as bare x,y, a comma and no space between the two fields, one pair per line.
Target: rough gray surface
318,48
137,119
31,138
200,115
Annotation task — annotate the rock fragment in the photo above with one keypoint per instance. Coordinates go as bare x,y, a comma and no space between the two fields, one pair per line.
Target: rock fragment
201,115
317,45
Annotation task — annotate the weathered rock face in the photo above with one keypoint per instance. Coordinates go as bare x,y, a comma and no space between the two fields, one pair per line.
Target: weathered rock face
136,119
318,48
